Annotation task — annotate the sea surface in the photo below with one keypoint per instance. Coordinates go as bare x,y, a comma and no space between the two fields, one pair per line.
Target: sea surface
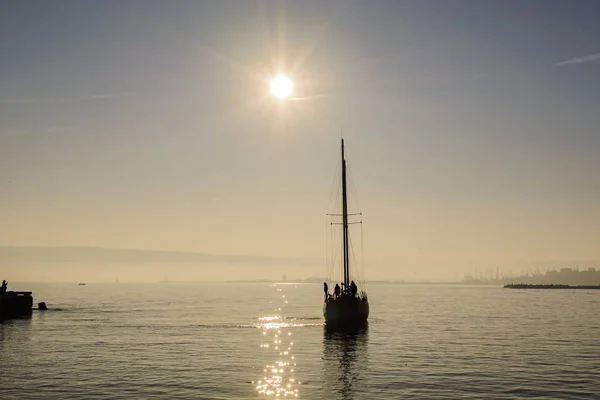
260,340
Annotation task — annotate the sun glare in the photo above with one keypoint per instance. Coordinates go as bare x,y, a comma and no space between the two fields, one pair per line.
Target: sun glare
281,87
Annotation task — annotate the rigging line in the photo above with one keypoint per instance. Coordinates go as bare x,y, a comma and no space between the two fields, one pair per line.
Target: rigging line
329,234
331,267
339,254
335,236
362,254
352,250
326,248
358,275
361,270
353,186
333,185
333,252
337,199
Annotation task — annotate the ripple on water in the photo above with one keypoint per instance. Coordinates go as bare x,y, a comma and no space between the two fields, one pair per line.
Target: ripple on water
422,342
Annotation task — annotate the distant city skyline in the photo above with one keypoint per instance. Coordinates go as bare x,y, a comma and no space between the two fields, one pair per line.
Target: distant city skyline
472,129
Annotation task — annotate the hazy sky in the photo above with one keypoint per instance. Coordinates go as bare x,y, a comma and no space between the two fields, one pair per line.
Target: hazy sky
472,128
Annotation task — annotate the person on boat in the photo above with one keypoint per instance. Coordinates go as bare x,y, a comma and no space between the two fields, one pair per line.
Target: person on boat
3,288
337,290
353,289
326,289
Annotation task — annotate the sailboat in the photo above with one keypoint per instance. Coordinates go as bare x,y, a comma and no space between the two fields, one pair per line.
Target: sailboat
346,308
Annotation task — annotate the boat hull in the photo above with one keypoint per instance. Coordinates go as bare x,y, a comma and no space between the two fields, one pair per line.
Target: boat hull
346,312
15,305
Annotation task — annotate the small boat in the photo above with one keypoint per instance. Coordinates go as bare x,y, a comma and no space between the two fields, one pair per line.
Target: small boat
347,307
81,283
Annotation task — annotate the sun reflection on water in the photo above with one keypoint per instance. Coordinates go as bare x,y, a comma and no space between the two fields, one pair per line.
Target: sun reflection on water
278,377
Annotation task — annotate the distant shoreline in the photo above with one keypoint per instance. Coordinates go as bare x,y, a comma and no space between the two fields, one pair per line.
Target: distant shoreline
550,286
312,281
278,282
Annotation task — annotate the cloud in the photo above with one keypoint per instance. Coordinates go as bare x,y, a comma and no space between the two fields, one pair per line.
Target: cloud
109,95
580,60
51,100
30,100
41,131
311,97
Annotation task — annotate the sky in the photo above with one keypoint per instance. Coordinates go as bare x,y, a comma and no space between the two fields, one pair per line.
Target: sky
471,129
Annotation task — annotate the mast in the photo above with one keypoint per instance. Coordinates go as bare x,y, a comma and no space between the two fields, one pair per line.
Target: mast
345,223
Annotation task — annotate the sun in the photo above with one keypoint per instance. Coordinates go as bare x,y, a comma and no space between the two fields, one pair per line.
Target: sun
281,87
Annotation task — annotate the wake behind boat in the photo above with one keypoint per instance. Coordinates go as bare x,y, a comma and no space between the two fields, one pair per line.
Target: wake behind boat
346,307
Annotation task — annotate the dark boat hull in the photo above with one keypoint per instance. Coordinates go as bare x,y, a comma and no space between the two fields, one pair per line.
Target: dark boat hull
15,305
346,312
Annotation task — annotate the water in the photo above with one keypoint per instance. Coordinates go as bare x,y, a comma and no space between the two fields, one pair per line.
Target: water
243,341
